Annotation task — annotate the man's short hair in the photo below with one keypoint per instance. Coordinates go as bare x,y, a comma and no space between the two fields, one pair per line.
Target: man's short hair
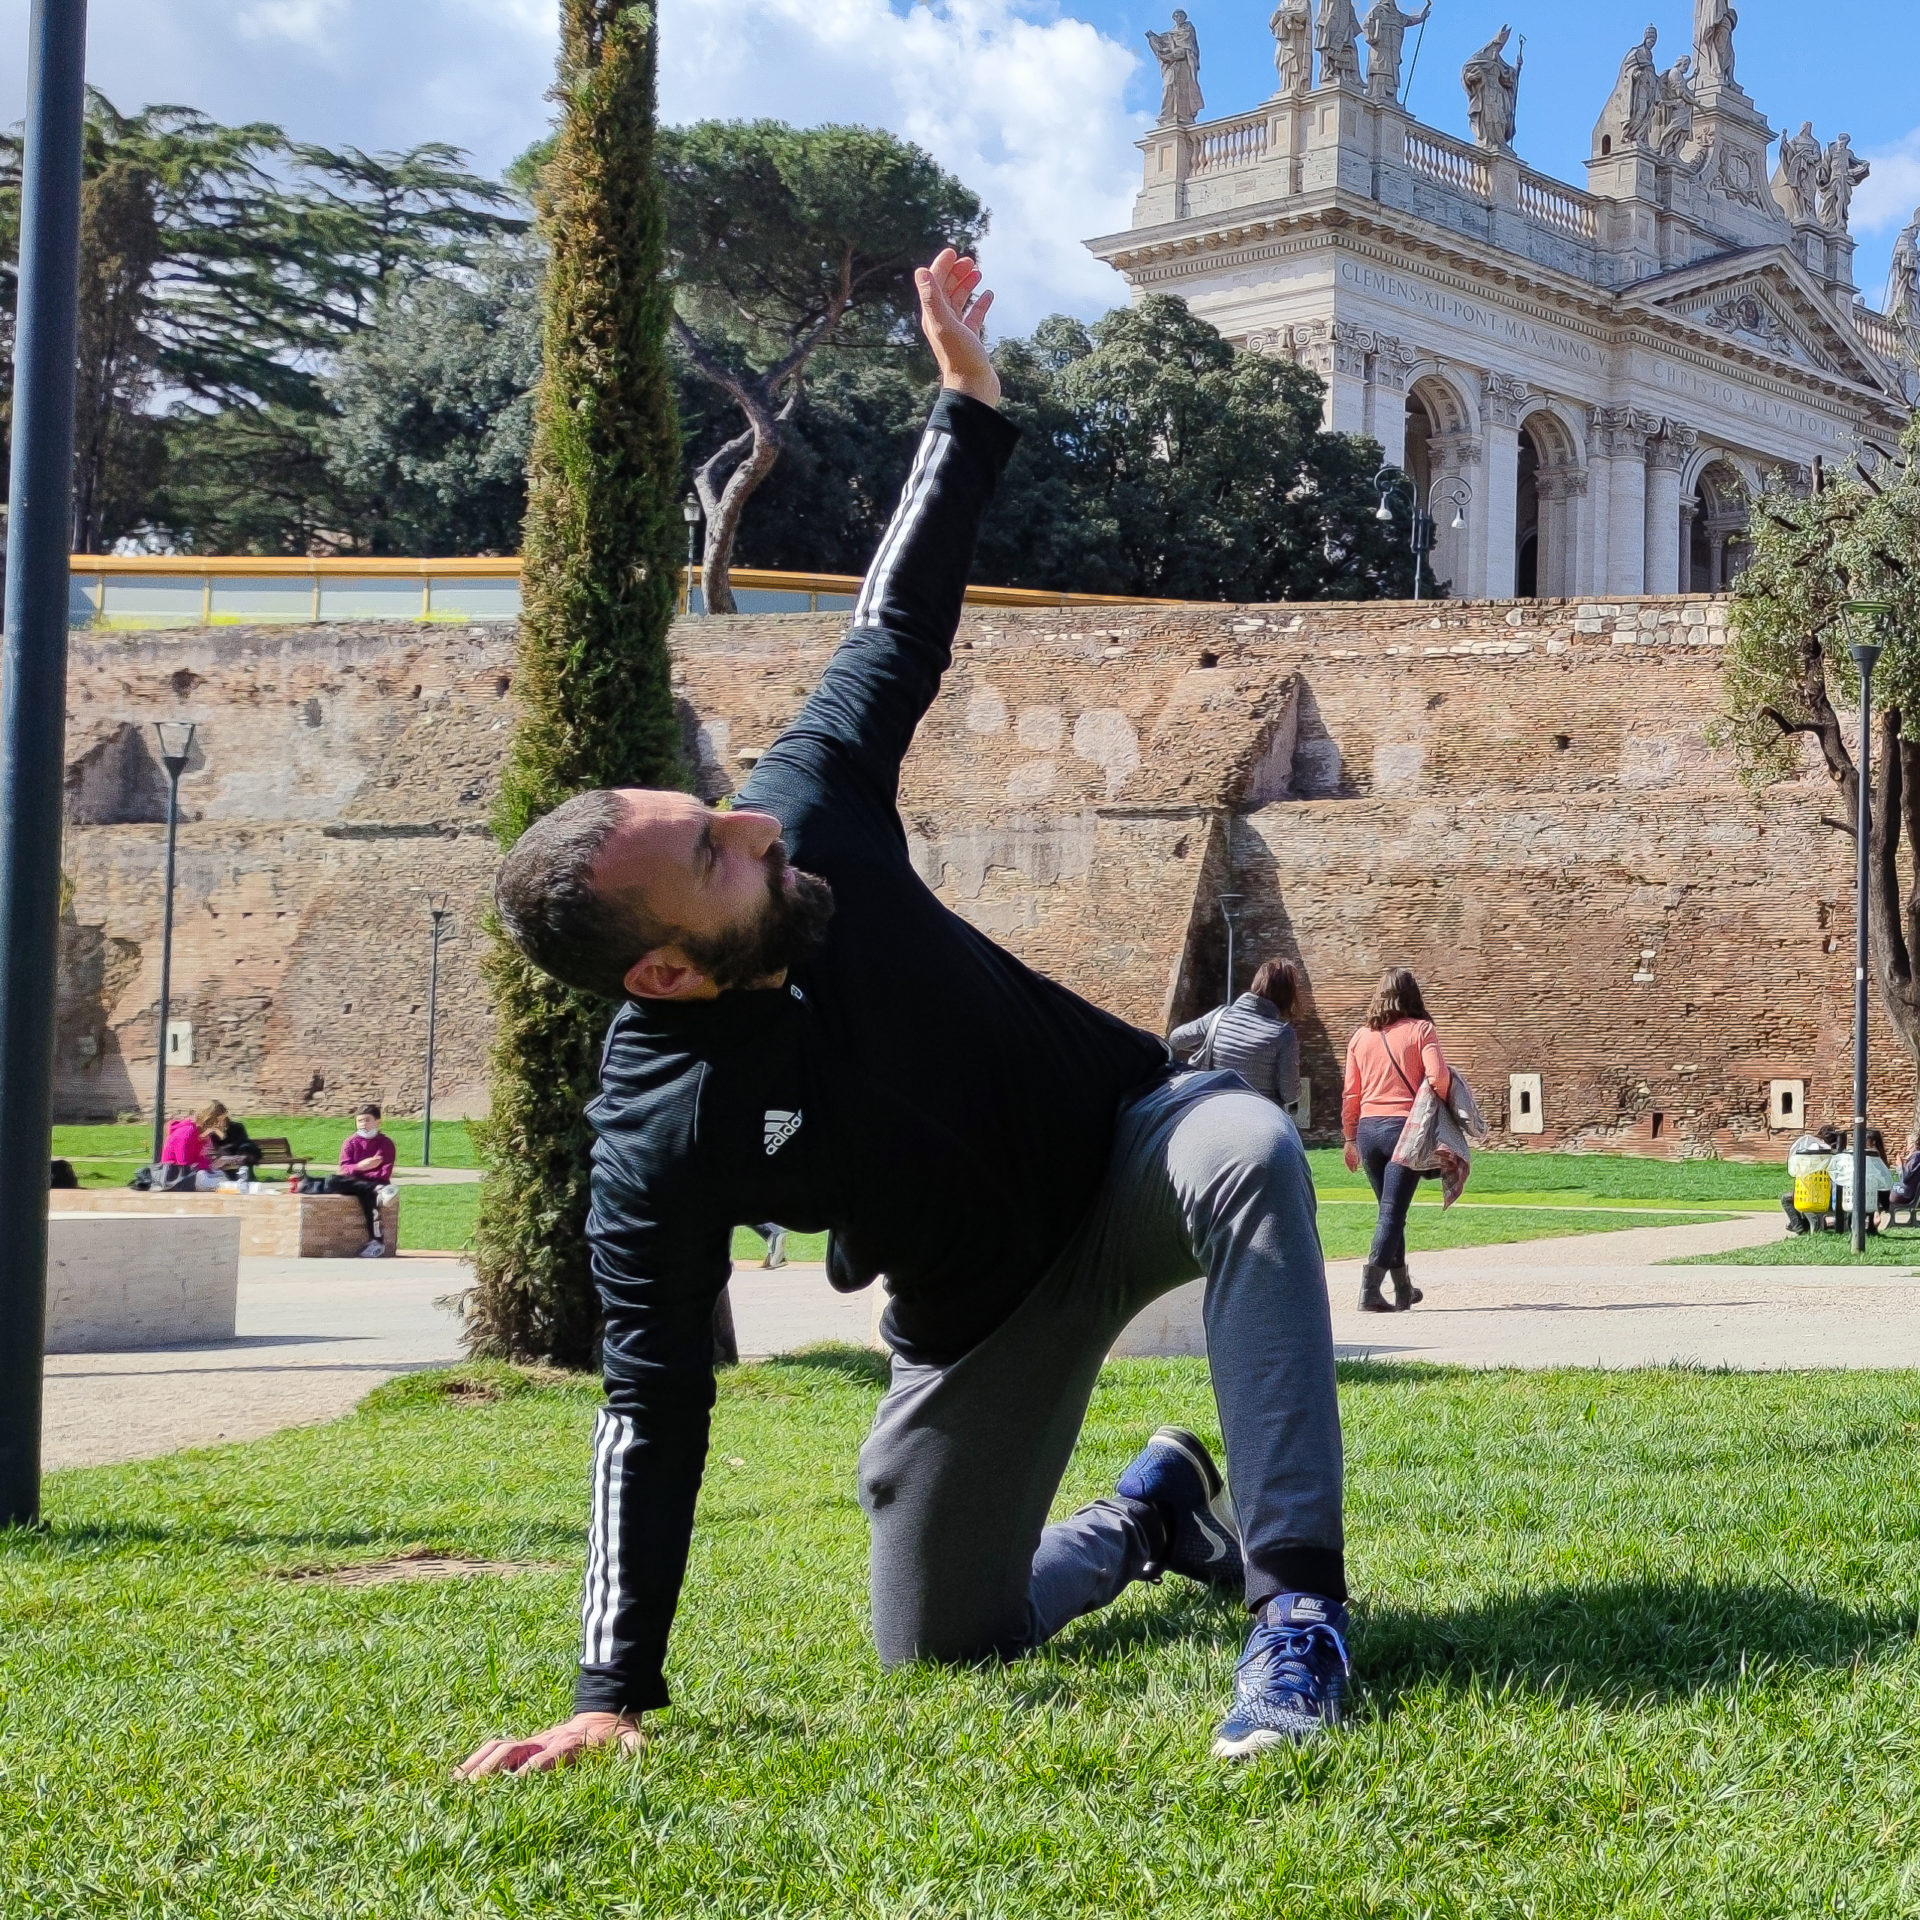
548,907
369,1111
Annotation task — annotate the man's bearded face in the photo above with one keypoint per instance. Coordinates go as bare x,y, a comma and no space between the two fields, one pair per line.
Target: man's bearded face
786,926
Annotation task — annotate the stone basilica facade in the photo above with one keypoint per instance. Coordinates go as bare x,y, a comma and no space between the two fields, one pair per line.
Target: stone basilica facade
1613,373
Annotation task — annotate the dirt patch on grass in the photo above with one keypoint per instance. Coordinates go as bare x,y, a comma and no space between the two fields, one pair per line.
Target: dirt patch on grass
416,1563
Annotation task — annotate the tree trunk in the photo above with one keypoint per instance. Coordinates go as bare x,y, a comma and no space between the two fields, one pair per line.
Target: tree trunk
724,504
1893,921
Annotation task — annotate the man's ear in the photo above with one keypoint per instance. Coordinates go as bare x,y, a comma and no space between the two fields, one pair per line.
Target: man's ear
665,973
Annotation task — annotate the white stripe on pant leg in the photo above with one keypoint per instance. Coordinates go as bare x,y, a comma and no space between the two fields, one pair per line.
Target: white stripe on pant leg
906,516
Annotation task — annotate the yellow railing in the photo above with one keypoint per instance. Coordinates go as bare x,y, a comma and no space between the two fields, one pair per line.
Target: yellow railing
178,590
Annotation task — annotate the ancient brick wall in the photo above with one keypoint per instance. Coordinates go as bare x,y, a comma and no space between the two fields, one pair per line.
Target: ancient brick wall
1519,802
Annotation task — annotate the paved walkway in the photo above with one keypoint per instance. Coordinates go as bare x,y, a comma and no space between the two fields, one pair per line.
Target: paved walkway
315,1335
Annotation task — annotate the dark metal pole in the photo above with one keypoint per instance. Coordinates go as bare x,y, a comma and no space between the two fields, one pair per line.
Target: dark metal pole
176,765
33,684
1864,656
433,1012
1228,901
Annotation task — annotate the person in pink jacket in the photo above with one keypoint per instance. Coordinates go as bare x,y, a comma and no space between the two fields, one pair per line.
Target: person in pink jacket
1388,1060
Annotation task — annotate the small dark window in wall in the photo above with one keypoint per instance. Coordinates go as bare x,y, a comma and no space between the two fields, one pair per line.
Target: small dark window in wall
1209,659
1606,145
1659,1120
1786,1101
1526,1102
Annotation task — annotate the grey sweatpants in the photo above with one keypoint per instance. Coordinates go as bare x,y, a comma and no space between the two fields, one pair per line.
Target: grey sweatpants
964,1460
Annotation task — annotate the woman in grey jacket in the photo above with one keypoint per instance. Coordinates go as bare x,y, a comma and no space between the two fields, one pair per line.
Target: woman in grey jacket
1253,1036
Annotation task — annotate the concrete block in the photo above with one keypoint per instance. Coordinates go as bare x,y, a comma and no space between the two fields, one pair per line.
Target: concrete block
273,1222
122,1280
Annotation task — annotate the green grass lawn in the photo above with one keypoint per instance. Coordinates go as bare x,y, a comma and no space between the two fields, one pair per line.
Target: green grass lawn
1899,1247
318,1138
1627,1645
1512,1196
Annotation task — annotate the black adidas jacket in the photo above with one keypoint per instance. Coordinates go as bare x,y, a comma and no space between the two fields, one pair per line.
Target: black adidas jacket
944,1110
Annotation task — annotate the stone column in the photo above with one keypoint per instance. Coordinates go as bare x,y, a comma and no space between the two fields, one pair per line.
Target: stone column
1387,369
1561,490
1667,452
1337,351
1620,437
1458,557
1502,401
1689,512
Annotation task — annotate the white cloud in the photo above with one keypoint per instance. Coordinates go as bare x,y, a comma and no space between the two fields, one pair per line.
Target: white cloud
1022,103
313,24
1020,100
1886,198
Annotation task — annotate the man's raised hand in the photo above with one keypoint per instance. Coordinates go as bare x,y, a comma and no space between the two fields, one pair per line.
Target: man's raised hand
952,312
557,1747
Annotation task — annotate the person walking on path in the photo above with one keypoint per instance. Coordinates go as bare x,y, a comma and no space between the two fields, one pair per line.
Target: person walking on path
808,1035
1387,1061
1252,1036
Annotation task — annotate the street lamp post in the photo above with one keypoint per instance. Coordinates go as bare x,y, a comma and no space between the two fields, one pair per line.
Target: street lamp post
1862,618
1228,901
33,680
437,910
1457,493
176,747
690,513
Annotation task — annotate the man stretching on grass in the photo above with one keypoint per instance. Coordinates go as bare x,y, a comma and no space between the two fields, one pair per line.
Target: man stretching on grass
809,1036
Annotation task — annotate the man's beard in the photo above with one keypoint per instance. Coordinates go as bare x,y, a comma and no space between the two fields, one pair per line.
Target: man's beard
789,926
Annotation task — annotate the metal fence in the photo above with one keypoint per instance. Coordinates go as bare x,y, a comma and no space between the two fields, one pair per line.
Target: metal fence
146,591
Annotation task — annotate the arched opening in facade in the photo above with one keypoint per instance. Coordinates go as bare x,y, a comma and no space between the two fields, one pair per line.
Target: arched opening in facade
1719,548
1437,430
1545,504
1526,521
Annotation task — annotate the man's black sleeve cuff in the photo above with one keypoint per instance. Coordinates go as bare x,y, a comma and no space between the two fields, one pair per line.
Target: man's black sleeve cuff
616,1693
983,430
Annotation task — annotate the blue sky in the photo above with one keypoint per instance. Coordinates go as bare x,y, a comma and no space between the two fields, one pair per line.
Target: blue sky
1035,104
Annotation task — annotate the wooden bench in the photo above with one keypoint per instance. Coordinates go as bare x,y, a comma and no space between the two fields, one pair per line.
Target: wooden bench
269,1152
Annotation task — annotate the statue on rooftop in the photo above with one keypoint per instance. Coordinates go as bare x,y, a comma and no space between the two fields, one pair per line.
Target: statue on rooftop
1841,170
1178,51
1903,283
1635,95
1336,34
1493,91
1796,179
1713,25
1385,32
1292,30
1673,109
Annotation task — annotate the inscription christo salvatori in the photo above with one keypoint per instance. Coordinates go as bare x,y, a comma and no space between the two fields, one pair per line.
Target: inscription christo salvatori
1756,406
1490,321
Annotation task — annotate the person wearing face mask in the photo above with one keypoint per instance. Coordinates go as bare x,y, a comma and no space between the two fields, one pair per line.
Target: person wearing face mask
366,1170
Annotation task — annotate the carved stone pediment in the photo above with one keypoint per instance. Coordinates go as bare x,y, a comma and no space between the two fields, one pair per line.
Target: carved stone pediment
1765,303
1749,313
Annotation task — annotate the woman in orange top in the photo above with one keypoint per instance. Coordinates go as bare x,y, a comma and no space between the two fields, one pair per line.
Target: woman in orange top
1388,1060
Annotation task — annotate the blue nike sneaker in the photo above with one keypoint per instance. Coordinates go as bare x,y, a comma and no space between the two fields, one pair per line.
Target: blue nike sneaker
1175,1473
1291,1682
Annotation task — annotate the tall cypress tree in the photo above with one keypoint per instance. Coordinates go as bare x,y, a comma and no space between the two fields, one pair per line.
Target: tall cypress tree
595,700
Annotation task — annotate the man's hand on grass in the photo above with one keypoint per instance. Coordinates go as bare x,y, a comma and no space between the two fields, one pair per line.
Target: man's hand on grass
557,1747
953,311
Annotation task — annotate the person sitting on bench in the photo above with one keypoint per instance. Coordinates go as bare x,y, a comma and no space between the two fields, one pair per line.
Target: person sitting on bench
366,1171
